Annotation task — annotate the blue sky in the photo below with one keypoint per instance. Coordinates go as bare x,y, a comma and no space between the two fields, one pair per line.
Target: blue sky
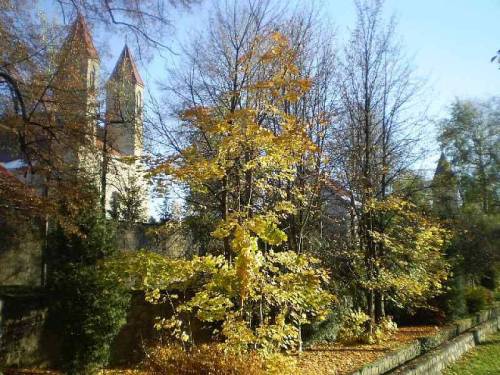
450,43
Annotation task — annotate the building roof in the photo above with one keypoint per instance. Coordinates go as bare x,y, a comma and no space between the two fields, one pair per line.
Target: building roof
126,69
80,38
4,172
338,189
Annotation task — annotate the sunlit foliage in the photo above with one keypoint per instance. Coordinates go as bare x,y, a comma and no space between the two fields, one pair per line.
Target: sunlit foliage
259,294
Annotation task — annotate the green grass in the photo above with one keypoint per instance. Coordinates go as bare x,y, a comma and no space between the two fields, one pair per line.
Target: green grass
482,360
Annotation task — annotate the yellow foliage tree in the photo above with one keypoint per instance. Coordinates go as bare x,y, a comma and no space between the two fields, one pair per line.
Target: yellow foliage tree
408,266
260,293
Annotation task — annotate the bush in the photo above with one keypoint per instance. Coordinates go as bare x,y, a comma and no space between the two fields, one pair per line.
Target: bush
325,331
283,292
489,279
477,299
353,328
90,306
213,359
453,301
385,329
89,311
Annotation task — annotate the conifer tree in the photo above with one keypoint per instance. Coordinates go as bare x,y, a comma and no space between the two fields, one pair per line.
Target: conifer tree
89,305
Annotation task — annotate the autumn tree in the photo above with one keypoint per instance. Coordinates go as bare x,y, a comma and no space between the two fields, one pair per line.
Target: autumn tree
376,143
204,79
45,120
31,68
213,78
314,45
50,113
260,293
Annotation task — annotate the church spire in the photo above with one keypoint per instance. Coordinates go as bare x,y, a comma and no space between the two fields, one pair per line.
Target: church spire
80,39
443,166
126,69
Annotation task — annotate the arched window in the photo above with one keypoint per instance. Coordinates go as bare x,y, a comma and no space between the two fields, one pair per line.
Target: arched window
92,78
138,100
116,104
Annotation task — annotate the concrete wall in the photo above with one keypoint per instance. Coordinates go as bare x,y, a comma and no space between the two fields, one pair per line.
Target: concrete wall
28,340
437,360
392,360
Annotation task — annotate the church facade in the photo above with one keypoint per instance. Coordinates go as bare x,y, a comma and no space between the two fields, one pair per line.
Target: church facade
111,146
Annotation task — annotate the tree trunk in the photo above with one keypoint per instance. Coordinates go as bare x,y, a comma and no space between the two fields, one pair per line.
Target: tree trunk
371,312
225,213
379,307
104,169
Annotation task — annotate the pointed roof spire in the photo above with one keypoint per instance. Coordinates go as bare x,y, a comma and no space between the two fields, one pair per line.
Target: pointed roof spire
443,166
80,39
126,69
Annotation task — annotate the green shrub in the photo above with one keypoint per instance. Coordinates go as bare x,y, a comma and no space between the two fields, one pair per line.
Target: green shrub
215,359
384,330
451,303
325,331
353,327
89,305
490,279
477,299
89,311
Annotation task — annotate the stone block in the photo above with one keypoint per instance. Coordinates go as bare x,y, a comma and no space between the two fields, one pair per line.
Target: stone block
392,360
464,324
433,362
430,342
482,331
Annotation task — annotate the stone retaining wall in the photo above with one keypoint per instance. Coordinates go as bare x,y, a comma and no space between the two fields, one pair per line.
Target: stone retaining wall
27,339
430,355
437,360
22,320
480,332
392,360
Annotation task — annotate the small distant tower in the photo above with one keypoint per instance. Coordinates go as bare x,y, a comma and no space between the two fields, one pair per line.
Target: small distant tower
445,196
124,105
76,81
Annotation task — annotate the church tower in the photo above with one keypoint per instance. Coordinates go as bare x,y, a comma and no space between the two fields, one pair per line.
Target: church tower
76,82
124,105
445,197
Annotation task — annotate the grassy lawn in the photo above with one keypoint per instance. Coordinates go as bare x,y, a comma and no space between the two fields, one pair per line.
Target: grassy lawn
484,359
